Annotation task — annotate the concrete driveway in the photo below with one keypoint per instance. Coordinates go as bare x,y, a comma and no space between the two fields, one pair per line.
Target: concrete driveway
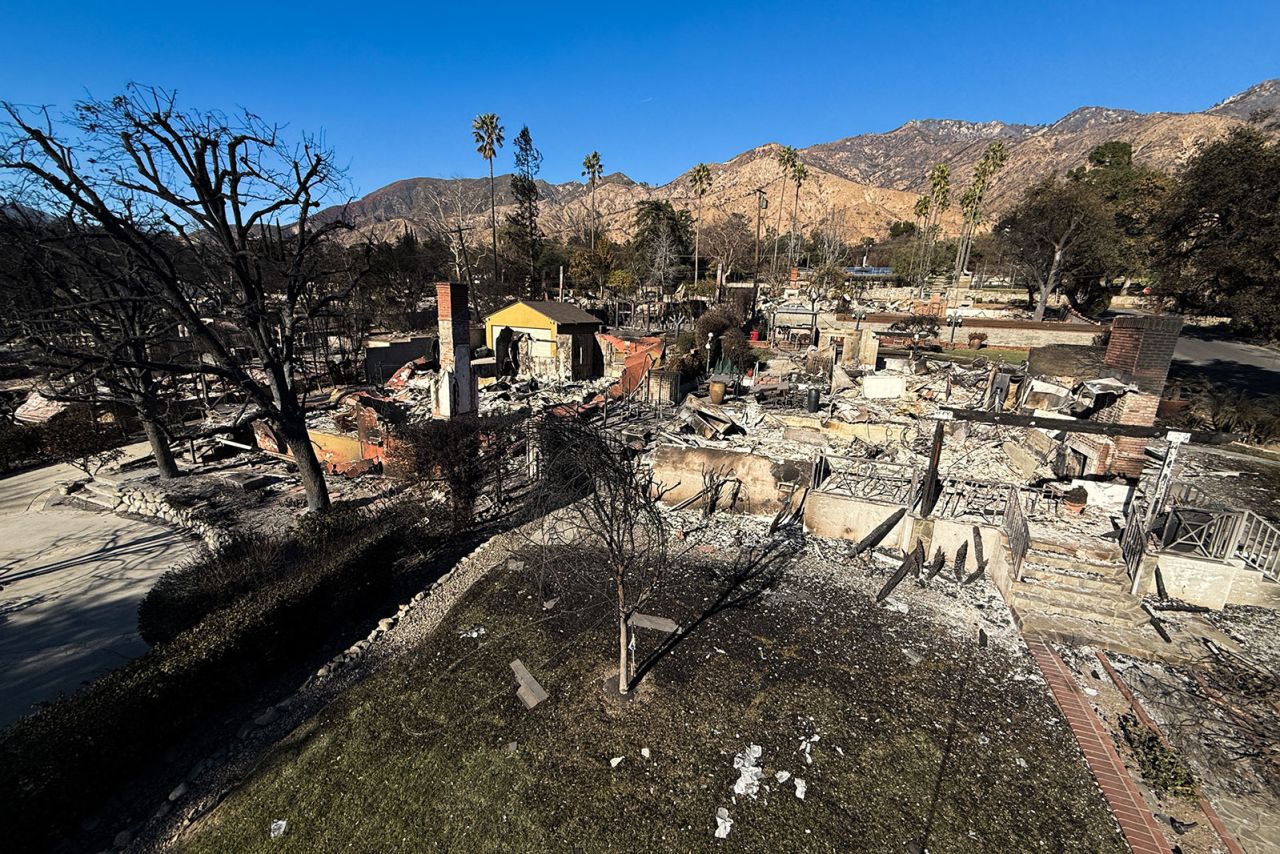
70,584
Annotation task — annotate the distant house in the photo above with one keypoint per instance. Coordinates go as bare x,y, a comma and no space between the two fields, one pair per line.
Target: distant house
546,340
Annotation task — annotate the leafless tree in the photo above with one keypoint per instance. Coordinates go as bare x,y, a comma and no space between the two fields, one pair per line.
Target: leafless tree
80,306
607,530
221,213
730,242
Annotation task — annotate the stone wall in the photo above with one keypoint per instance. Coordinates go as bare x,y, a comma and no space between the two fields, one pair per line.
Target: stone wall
139,500
1209,583
678,472
1019,334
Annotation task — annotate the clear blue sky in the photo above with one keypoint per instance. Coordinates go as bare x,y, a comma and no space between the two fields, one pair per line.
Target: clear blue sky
654,86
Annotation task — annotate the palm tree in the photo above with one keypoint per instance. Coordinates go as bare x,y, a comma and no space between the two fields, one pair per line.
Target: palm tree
787,160
488,136
592,169
701,180
798,175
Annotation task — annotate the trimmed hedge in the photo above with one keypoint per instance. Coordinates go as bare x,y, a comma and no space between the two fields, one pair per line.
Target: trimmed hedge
62,763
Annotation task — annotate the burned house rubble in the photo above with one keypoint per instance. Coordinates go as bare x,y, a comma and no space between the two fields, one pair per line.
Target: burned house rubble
1035,486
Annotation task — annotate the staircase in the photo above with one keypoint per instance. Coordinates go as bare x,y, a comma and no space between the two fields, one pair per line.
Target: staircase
1080,595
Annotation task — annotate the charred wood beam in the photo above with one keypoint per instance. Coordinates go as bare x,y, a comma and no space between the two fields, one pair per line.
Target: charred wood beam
1009,419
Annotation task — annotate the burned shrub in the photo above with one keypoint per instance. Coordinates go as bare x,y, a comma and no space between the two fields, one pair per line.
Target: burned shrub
1161,768
188,593
465,455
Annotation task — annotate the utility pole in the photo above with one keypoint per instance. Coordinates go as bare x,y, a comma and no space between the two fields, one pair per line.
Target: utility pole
762,203
466,261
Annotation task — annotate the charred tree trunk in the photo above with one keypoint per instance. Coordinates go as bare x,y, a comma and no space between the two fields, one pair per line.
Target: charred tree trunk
160,448
622,638
294,433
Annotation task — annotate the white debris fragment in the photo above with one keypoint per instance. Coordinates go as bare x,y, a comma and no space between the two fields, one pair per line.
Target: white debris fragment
723,823
782,776
1090,692
749,773
473,632
1022,763
615,761
801,787
278,827
806,744
644,751
896,606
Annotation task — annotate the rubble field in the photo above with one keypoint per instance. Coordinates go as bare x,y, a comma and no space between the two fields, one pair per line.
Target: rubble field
809,718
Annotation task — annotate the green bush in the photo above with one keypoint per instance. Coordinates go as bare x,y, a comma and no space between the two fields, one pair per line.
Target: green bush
60,764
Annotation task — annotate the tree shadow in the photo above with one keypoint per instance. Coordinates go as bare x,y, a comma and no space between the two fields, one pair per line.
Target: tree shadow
753,572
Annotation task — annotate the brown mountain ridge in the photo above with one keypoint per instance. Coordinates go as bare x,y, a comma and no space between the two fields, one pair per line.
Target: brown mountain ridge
861,182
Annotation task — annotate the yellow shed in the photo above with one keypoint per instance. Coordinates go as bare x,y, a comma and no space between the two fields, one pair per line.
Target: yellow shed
545,339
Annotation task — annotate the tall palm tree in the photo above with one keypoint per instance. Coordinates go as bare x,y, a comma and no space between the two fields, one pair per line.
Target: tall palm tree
787,160
592,169
701,180
488,137
798,175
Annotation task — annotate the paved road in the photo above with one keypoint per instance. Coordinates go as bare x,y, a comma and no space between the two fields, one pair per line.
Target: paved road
70,583
1202,350
1213,356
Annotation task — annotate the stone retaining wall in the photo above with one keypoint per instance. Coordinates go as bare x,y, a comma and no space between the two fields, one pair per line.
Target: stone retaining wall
138,500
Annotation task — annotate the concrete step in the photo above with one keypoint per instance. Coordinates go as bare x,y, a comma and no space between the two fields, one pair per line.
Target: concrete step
94,499
1140,641
1096,550
1077,564
1047,577
102,489
1099,608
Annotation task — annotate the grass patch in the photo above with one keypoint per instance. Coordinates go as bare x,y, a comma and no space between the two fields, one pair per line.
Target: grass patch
416,757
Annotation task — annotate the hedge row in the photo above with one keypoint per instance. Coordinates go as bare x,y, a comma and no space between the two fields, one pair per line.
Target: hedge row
60,764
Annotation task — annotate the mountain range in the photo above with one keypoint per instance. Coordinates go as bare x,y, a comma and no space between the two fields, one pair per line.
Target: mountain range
862,182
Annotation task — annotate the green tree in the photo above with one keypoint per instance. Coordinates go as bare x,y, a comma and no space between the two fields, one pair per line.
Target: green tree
662,239
799,173
788,159
991,162
1061,235
523,221
1219,234
931,208
700,178
1134,195
592,170
487,132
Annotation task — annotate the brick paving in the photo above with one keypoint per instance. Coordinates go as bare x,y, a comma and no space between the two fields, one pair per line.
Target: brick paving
1136,822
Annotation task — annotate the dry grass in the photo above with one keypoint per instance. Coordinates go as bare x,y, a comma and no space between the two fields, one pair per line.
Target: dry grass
416,758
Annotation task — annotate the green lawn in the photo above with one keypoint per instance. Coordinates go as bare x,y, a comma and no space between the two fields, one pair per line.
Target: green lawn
416,757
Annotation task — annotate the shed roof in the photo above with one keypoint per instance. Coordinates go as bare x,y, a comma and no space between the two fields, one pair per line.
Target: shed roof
561,313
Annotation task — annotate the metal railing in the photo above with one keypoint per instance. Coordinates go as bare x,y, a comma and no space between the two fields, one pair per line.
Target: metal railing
1017,530
1133,542
1224,535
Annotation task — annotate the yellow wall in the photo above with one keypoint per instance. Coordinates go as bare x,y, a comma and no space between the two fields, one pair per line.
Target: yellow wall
518,315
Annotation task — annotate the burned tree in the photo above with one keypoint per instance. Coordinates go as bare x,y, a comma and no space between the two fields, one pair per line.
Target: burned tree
607,531
220,214
79,306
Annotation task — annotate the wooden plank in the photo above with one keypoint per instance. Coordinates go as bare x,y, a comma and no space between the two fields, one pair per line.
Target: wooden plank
649,621
1072,425
530,692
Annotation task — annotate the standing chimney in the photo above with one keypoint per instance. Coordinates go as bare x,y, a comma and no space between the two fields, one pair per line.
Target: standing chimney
456,391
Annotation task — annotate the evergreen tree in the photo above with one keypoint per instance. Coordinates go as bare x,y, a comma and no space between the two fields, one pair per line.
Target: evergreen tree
524,231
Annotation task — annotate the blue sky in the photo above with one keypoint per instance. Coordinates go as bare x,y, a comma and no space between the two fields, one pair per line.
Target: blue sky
654,86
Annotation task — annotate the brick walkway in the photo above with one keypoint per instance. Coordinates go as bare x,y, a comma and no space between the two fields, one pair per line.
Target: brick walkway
1136,822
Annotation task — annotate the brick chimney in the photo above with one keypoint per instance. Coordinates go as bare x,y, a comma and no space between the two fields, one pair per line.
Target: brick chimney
1141,349
456,392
